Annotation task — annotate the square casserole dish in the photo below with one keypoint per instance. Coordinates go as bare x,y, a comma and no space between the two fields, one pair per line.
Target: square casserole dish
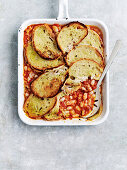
105,92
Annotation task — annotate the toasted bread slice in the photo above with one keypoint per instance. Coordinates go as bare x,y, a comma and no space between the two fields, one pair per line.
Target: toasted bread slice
38,62
81,70
84,52
44,42
70,35
53,114
94,40
67,88
36,107
49,83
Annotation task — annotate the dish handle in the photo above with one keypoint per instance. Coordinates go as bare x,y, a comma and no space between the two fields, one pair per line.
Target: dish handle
63,9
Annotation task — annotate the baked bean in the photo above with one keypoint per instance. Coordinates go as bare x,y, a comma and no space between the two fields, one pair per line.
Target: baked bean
85,96
92,82
71,102
69,108
78,108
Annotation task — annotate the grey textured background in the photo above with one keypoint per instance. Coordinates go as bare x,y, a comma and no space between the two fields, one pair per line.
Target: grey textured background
23,147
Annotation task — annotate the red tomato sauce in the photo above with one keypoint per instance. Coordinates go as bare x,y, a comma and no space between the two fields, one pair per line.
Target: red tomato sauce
80,103
29,76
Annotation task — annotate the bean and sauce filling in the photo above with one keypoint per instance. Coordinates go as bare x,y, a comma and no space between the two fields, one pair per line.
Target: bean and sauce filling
79,103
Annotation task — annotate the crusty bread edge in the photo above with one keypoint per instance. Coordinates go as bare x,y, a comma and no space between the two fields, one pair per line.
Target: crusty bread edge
26,59
37,94
44,118
50,111
38,51
101,40
33,67
54,113
67,25
97,52
39,117
100,66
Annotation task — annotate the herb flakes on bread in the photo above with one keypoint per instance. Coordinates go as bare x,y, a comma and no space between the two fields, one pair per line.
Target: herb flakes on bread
44,42
94,40
49,83
38,62
36,107
53,114
71,35
84,52
82,70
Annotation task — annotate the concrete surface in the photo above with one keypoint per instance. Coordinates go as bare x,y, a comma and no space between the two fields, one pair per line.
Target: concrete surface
23,147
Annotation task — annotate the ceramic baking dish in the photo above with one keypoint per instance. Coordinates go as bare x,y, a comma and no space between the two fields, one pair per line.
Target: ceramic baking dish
62,19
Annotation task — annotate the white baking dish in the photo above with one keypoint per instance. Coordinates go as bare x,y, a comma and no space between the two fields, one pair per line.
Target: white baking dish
62,19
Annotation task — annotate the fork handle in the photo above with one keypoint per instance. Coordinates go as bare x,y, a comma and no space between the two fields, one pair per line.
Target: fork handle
110,61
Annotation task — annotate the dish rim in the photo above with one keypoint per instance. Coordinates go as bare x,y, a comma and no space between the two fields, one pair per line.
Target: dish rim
21,113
